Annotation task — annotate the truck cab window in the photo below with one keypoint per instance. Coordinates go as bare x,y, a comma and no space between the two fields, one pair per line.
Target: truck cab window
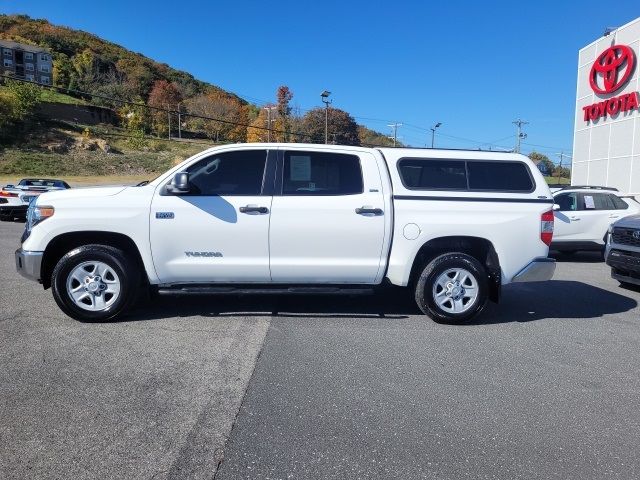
231,173
320,173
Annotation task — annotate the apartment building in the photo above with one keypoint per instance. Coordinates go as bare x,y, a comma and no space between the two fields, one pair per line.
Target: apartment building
26,62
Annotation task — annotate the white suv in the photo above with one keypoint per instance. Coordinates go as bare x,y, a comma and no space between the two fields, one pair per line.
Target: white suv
583,215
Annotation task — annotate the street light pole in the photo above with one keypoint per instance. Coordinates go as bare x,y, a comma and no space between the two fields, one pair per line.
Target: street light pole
433,132
325,99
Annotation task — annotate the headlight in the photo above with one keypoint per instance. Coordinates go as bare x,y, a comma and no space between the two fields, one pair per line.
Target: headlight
38,213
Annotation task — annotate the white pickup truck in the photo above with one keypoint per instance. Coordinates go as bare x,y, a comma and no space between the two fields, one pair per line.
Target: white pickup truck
452,225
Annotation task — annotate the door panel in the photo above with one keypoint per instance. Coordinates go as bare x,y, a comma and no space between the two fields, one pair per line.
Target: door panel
316,235
209,237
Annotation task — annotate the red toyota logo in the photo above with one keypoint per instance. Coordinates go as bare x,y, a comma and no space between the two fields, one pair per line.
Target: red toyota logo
608,66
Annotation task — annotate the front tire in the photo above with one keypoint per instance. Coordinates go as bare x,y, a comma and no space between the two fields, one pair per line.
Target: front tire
452,288
95,283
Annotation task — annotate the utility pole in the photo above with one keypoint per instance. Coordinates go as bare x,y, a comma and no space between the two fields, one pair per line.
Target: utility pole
268,109
325,99
394,127
561,155
169,117
520,135
180,120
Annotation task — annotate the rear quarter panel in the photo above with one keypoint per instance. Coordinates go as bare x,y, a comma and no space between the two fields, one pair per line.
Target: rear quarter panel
510,221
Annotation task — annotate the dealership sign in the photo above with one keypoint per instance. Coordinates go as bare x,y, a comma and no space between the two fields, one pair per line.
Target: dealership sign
609,73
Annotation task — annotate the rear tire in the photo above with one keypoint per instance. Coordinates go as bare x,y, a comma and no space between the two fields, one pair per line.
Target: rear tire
95,283
452,288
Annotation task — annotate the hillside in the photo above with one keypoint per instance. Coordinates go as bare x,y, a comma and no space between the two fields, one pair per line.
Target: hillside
87,62
130,105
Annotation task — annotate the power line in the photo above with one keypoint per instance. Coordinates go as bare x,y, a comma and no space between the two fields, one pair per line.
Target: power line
520,134
394,127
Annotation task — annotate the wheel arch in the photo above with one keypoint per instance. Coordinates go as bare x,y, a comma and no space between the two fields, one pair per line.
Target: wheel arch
478,247
66,242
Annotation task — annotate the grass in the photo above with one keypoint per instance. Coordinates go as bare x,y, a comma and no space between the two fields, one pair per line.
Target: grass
558,180
53,96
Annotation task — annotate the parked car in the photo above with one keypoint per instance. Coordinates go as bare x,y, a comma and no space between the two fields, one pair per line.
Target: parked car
453,226
623,250
14,199
583,215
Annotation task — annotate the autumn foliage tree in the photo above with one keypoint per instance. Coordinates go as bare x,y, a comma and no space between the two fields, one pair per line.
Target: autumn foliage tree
164,97
220,116
283,120
343,129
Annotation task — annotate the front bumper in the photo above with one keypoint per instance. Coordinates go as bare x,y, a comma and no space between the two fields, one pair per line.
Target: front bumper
28,264
539,270
13,210
625,266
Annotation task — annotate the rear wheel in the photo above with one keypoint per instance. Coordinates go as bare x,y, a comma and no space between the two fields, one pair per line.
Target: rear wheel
452,288
95,283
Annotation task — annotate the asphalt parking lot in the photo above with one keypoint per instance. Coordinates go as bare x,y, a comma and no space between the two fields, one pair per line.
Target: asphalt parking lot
544,385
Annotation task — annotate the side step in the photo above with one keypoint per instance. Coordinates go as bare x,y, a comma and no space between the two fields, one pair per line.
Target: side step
261,290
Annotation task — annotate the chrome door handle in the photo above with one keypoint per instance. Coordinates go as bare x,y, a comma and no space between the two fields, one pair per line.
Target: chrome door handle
614,216
253,209
575,219
368,210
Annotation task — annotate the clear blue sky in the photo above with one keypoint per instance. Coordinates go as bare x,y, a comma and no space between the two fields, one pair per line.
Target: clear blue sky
474,66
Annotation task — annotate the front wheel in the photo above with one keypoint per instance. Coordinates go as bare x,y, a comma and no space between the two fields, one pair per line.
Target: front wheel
452,288
95,283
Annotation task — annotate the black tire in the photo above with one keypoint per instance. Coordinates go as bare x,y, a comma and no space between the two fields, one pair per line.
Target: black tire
427,279
125,267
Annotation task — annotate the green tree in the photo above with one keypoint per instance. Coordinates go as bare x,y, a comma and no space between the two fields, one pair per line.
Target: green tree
26,98
62,70
545,165
343,129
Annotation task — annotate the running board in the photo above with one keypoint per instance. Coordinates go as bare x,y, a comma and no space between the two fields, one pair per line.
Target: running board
230,290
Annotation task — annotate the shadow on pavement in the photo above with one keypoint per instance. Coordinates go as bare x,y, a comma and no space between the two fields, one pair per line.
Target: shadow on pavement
520,303
580,257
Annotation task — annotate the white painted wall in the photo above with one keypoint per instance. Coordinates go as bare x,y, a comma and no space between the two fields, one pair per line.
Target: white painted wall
607,152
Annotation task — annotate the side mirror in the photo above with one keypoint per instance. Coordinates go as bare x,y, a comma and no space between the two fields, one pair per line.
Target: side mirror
556,207
179,184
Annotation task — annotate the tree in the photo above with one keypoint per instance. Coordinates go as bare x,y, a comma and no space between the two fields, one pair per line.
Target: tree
18,103
543,163
164,97
258,129
216,105
63,70
26,98
343,129
282,123
372,138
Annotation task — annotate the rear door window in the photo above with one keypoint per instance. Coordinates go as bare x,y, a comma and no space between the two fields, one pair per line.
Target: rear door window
321,173
597,201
